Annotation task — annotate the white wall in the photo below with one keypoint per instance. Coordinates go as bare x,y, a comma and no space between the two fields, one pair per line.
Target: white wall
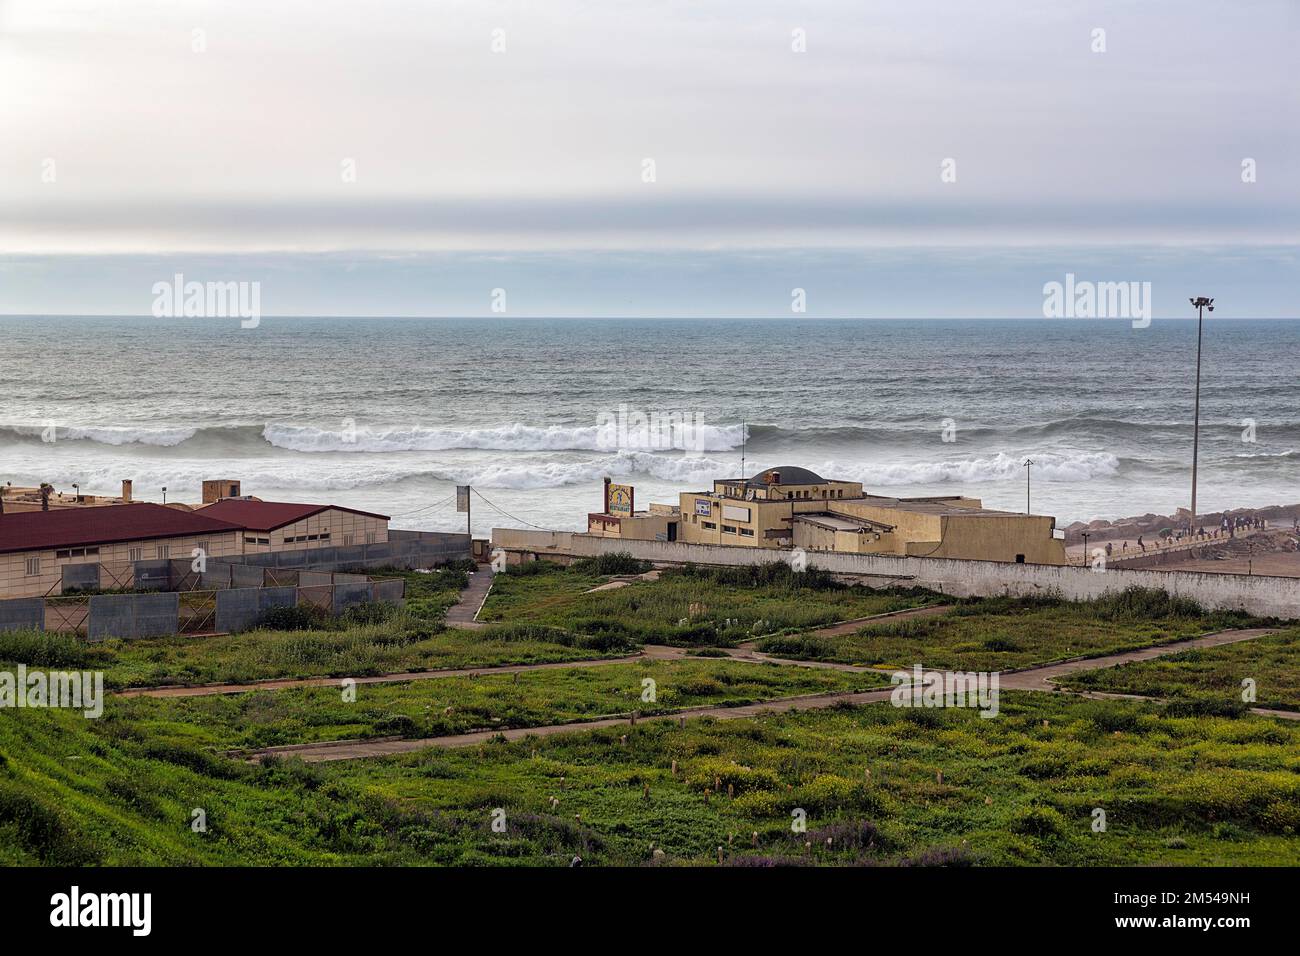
1257,594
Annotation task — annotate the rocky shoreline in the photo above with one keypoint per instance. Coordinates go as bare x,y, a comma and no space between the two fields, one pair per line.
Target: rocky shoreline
1280,517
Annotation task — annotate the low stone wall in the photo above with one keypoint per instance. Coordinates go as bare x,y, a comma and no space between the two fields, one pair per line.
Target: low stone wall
1257,594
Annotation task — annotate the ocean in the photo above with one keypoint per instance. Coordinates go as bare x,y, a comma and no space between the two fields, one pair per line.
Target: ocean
390,414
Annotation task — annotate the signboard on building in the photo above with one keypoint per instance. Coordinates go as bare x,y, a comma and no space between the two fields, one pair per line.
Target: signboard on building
462,498
734,513
619,500
703,506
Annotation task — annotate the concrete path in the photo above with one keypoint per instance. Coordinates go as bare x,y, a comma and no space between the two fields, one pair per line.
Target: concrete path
464,613
624,581
1031,679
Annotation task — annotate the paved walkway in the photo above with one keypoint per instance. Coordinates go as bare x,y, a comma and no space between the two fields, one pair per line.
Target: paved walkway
1031,679
464,613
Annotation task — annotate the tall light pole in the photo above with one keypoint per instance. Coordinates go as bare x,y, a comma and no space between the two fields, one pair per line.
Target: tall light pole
1028,462
1200,304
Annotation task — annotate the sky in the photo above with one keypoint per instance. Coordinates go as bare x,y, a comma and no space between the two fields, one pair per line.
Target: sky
905,158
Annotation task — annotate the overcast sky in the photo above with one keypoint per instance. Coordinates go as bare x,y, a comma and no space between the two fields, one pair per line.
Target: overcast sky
390,157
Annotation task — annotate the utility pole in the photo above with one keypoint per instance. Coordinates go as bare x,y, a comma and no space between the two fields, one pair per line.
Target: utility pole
742,449
1028,462
1200,304
1085,546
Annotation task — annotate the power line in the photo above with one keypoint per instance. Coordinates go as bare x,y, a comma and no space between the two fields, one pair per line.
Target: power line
406,514
508,514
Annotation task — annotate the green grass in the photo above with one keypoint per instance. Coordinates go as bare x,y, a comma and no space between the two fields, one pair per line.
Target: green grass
693,605
455,705
394,646
1210,677
1014,790
1006,633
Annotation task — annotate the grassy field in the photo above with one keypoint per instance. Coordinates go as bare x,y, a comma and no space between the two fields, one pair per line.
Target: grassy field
456,705
1211,677
692,605
394,646
1006,633
879,785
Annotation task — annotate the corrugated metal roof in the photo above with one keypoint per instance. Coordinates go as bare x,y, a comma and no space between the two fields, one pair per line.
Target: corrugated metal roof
108,524
269,515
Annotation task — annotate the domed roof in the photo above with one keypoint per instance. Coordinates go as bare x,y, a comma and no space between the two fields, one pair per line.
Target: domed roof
790,475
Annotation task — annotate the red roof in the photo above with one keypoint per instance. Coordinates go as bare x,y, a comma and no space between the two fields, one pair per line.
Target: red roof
270,515
78,527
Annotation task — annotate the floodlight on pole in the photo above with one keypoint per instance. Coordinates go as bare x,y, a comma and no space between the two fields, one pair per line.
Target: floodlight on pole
1200,304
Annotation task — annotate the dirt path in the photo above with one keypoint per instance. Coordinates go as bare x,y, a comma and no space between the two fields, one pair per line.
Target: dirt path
1031,679
653,652
464,613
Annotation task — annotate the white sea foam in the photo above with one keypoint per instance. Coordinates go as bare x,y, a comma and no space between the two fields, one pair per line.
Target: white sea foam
1079,466
163,437
513,437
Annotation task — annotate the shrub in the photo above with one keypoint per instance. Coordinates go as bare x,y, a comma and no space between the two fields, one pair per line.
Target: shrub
368,612
44,649
620,562
41,829
1042,822
297,617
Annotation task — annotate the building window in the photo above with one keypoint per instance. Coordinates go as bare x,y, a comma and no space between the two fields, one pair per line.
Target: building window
59,555
135,554
728,529
348,539
162,551
370,537
263,540
708,525
34,565
324,535
747,532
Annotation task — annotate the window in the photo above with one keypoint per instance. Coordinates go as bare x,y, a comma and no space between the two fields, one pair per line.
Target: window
324,535
348,539
313,537
263,540
162,551
747,532
709,525
34,565
65,553
92,552
728,529
1020,559
370,537
135,554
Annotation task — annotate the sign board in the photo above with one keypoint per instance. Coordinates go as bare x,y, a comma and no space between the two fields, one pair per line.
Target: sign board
462,498
703,506
620,500
733,513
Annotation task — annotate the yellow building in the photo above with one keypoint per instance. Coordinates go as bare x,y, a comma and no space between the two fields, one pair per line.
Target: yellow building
792,507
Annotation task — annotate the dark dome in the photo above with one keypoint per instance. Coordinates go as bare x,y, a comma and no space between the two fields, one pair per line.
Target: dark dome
790,475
